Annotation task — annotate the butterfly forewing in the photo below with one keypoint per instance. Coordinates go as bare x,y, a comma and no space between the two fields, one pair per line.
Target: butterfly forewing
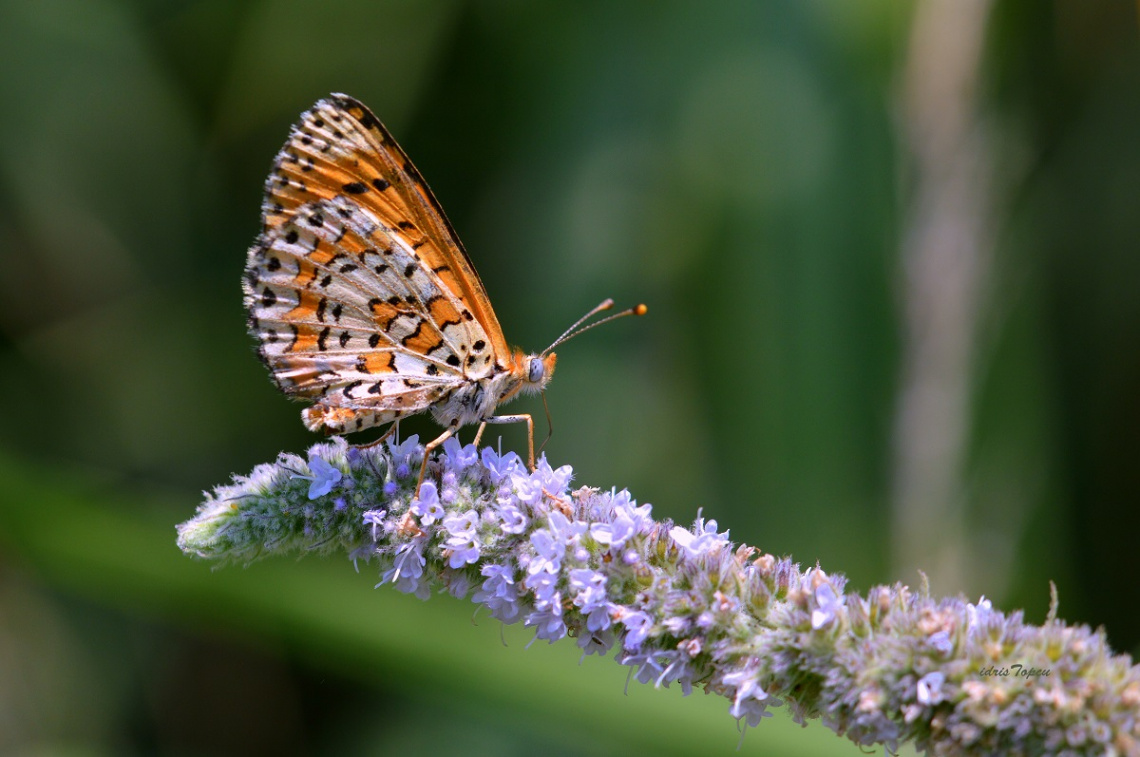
340,149
348,310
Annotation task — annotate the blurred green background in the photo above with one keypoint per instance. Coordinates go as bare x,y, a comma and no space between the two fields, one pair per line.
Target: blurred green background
890,255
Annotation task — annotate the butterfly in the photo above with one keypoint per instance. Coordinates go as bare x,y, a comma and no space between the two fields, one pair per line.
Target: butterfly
363,299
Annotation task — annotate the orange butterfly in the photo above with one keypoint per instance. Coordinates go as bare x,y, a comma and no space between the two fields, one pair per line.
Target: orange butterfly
362,297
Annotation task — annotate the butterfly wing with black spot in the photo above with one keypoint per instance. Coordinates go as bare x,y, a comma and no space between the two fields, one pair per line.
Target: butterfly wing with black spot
347,316
339,148
358,290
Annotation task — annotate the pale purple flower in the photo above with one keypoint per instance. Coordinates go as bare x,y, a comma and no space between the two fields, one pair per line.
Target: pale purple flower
1100,732
602,507
511,519
641,515
462,553
703,540
548,622
375,518
463,540
406,450
544,586
548,552
614,533
458,584
462,525
505,610
648,668
500,467
402,454
599,617
678,669
428,508
450,491
567,531
594,643
978,614
941,641
828,606
527,489
751,711
930,688
499,593
325,477
500,581
407,568
637,626
458,456
590,586
745,682
554,481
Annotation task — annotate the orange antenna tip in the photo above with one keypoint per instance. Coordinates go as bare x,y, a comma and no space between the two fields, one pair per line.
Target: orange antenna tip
640,309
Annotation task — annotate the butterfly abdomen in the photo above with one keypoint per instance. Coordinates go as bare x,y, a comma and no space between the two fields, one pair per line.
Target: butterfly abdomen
322,418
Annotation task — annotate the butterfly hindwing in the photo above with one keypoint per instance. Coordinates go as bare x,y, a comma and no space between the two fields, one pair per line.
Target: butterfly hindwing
345,311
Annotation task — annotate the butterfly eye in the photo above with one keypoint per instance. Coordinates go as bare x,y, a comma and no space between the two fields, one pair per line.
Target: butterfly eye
534,375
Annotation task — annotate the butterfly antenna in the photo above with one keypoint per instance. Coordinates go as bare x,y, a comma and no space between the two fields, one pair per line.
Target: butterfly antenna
606,304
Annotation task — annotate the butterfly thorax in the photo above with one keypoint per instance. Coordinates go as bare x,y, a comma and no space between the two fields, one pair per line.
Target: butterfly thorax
475,400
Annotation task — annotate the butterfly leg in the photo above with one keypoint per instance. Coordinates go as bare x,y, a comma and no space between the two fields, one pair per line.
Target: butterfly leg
427,453
517,419
479,433
391,430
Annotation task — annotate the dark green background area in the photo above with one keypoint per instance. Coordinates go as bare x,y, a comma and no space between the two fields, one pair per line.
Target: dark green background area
741,167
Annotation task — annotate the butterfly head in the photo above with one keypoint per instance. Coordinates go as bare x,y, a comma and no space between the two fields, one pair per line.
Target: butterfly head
536,370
